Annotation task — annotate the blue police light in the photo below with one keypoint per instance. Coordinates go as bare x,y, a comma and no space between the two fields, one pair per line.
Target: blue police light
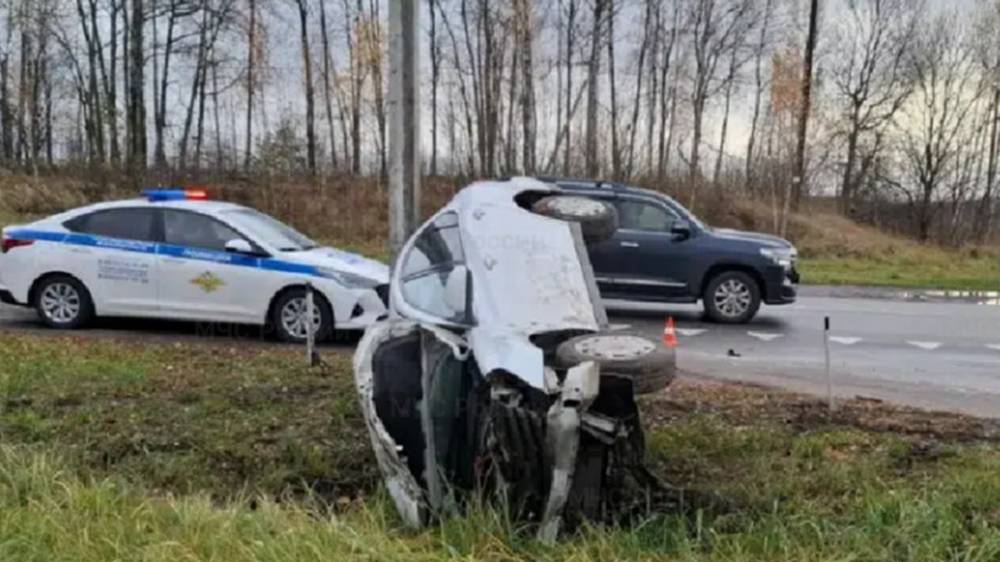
160,195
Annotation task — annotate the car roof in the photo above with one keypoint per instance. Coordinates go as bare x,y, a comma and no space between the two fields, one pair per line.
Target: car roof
206,207
603,186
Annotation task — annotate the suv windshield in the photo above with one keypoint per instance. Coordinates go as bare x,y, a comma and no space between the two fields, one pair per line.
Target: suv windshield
270,231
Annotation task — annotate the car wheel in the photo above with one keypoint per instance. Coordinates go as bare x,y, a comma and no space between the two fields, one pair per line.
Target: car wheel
597,219
63,303
288,317
732,297
650,366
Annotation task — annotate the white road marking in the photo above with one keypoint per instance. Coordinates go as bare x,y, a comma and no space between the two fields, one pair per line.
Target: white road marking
763,336
690,332
844,340
928,345
618,327
994,346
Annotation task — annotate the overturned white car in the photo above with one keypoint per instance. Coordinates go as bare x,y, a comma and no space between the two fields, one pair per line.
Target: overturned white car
495,371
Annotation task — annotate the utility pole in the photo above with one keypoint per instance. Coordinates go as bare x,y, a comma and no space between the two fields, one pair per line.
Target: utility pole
805,108
404,122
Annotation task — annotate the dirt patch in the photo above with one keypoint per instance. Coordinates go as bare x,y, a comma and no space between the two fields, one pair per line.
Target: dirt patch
741,404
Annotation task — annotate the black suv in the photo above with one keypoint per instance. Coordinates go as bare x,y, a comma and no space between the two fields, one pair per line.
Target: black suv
661,252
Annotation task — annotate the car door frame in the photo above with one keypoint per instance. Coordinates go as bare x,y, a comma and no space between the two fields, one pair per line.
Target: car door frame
633,245
176,256
95,246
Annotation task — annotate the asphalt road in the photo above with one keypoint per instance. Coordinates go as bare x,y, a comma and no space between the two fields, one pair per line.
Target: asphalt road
941,354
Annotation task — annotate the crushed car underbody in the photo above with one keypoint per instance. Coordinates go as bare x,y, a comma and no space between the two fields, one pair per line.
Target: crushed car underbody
496,374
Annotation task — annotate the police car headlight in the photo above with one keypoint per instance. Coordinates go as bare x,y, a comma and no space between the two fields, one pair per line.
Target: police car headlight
780,256
349,280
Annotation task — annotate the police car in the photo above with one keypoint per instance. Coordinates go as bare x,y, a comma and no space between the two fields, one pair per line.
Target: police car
175,254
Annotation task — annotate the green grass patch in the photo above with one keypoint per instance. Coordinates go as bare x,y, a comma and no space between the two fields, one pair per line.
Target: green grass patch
115,450
962,271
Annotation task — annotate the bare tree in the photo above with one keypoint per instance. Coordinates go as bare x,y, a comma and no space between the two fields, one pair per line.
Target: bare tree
137,153
310,92
805,108
251,64
869,75
934,125
717,28
593,72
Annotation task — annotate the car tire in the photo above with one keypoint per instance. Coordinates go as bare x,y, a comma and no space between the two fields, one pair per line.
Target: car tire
650,366
288,311
732,297
597,219
62,302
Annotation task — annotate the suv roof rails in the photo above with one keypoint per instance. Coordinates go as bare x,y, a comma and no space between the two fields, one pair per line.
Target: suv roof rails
596,184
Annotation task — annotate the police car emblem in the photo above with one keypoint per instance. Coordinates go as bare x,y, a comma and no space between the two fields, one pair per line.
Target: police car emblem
208,282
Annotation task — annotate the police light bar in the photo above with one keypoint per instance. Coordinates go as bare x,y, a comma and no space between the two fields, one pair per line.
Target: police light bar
159,195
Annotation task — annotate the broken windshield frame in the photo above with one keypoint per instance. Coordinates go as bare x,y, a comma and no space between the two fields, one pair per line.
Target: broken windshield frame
427,268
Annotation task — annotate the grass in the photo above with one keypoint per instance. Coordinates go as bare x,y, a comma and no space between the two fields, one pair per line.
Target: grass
930,271
119,451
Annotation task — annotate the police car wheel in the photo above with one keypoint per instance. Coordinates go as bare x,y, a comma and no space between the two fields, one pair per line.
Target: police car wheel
288,317
63,303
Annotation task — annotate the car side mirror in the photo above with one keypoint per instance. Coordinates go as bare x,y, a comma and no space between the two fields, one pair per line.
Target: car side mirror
239,246
681,229
456,291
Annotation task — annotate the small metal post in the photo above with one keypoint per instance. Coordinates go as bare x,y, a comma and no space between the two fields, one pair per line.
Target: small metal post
312,359
829,375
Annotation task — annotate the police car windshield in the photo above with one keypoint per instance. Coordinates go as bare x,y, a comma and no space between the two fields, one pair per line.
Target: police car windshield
269,230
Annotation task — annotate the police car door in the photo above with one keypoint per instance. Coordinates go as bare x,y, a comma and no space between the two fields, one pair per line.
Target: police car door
199,280
113,252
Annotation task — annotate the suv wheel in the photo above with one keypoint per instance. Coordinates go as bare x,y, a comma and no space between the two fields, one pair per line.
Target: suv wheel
63,303
597,219
288,317
732,297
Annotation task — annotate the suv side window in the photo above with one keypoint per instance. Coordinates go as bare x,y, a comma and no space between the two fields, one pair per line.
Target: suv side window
435,255
634,214
193,230
124,224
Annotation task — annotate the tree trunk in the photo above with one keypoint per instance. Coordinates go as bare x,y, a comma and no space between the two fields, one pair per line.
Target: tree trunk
570,35
378,88
251,61
137,86
984,214
160,117
593,68
637,99
435,74
758,94
717,175
847,184
527,87
6,118
327,98
196,84
616,155
806,108
310,94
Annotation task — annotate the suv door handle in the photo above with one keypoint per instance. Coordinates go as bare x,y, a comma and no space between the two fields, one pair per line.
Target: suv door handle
173,261
630,244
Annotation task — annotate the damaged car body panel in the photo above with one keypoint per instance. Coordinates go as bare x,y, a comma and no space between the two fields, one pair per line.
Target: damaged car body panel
478,381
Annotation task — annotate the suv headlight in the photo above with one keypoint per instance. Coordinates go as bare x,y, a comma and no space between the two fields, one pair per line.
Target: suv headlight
784,257
349,280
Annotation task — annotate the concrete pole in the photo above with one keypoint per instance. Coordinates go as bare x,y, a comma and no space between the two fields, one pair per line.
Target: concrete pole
404,122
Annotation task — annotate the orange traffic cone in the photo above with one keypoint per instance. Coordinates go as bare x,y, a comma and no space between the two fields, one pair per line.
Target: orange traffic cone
669,334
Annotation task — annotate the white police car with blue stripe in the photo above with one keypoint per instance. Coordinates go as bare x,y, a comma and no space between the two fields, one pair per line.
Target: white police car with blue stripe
174,254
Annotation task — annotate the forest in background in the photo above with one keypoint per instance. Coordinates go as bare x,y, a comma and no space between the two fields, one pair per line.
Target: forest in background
701,98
